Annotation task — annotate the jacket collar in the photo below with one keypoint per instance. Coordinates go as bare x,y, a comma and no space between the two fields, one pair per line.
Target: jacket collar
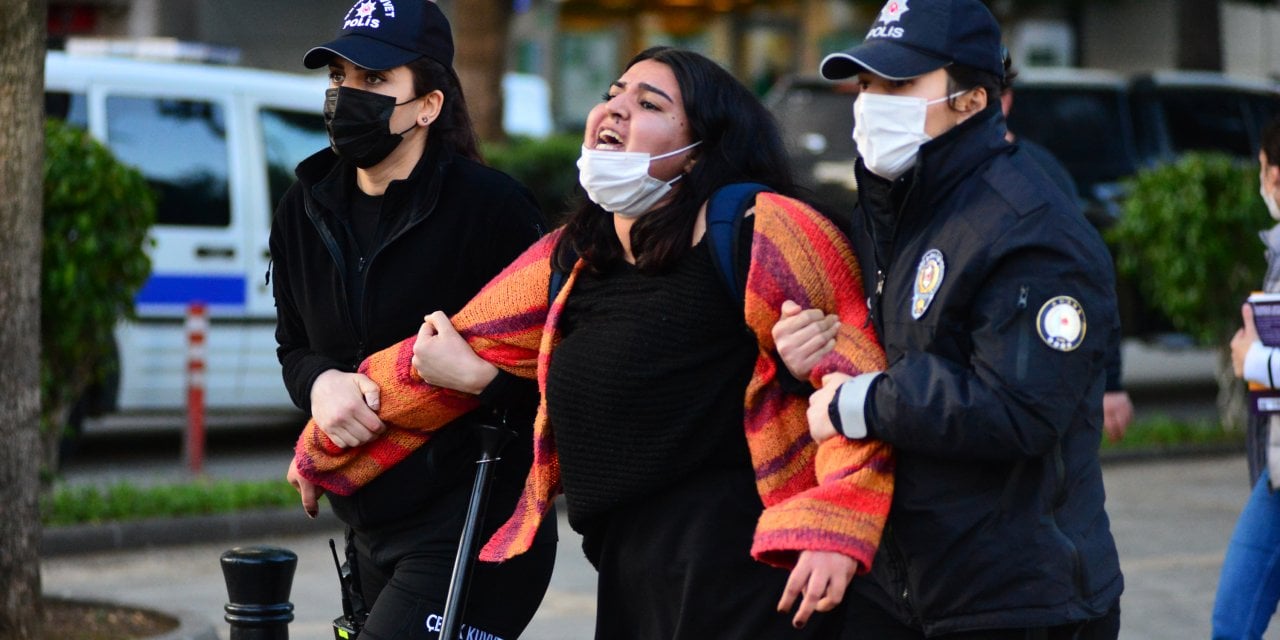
328,180
943,163
953,156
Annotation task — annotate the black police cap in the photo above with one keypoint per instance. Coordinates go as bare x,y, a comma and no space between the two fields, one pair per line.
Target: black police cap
913,37
382,34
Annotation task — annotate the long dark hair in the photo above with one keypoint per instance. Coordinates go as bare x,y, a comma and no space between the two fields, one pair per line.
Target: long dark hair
453,127
740,143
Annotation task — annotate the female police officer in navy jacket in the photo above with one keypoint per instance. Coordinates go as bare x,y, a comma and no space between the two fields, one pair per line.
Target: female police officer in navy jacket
398,219
995,303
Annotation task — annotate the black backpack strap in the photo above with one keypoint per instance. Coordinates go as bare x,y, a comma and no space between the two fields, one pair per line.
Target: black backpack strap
558,275
724,215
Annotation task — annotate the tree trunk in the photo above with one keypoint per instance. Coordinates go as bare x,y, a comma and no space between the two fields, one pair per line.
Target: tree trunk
1199,35
22,33
53,420
1233,408
480,32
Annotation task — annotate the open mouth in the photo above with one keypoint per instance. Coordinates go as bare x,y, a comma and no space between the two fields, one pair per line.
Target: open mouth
607,140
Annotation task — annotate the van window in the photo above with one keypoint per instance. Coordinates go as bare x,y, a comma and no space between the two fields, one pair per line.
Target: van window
1207,121
1263,108
289,138
181,148
70,107
1084,127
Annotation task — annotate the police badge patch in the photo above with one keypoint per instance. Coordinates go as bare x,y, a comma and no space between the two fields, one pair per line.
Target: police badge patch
1061,323
929,274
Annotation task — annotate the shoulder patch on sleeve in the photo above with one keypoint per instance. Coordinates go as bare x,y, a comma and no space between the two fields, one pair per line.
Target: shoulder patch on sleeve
1061,323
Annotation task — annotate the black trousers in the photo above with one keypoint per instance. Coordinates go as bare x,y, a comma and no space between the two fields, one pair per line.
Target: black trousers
677,566
870,622
404,575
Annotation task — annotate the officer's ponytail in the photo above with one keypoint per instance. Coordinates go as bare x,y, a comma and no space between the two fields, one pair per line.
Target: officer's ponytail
454,125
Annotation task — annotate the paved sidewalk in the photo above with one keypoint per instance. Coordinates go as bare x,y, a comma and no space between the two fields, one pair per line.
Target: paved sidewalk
1172,519
188,579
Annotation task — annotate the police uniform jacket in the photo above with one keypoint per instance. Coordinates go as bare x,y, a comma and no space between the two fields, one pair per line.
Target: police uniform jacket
444,232
995,302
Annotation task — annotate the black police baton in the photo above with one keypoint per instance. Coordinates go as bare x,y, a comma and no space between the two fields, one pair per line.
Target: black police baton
492,440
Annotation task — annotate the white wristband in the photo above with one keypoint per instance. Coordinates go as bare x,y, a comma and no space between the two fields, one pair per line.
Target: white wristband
852,400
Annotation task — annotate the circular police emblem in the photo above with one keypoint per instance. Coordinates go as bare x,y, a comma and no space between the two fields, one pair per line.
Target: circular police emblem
929,274
1061,323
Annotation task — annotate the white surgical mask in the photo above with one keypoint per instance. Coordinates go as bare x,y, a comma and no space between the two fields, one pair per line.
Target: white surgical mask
619,181
1272,207
889,131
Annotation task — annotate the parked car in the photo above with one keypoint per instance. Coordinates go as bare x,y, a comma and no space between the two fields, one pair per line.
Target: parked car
816,119
1102,125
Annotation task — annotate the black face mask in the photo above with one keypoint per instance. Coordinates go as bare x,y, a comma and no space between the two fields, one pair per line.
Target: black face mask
359,125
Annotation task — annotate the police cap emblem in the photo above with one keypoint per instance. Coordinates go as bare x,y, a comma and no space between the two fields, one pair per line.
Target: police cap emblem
1061,323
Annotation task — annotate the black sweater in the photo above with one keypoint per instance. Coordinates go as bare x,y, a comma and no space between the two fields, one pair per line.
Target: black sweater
646,385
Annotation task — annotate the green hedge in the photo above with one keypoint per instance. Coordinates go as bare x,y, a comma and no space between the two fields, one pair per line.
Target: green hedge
1188,236
1161,432
97,213
548,167
122,501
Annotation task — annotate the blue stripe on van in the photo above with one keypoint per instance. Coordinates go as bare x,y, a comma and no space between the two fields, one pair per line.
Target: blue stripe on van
159,289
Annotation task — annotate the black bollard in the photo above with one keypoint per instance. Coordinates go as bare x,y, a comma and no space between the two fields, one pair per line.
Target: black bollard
258,583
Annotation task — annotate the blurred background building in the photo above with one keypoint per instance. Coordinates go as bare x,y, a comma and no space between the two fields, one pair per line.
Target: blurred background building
576,46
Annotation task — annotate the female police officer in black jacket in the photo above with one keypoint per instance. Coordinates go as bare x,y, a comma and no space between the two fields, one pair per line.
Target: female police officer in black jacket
995,303
398,219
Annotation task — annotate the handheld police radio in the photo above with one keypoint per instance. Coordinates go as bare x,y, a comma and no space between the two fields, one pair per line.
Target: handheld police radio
347,626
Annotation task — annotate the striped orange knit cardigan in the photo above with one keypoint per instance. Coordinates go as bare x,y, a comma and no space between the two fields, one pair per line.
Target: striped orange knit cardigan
833,497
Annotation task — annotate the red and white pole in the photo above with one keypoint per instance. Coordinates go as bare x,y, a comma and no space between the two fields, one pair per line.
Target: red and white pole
197,326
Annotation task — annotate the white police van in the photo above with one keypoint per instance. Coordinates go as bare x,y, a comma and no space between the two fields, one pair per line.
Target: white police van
219,145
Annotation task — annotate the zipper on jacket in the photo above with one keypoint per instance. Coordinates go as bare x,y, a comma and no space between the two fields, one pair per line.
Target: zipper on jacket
1060,475
1060,499
898,569
882,272
871,307
363,330
366,265
873,296
335,251
1024,334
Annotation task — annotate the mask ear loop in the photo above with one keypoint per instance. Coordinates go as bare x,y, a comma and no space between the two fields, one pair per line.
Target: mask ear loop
676,152
668,154
951,97
425,121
